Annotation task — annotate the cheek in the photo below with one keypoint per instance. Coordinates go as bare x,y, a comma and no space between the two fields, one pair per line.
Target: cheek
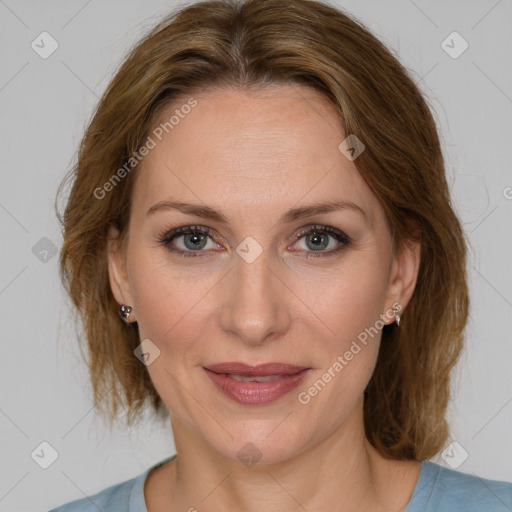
348,362
349,320
346,301
171,303
171,313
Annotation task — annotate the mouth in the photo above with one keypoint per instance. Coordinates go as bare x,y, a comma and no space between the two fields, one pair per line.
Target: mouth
253,385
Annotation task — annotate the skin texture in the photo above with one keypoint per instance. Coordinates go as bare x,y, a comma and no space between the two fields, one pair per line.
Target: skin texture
255,155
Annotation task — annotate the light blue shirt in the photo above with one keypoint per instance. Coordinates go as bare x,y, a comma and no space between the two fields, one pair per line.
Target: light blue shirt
438,489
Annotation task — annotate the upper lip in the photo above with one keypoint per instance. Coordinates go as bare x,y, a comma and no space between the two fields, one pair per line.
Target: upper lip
257,370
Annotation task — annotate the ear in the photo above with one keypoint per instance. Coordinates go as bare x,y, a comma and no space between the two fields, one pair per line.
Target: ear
118,276
404,275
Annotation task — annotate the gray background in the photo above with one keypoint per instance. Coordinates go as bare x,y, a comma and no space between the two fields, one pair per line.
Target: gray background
45,104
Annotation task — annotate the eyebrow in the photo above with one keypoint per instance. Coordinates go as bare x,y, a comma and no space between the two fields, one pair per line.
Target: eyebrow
206,212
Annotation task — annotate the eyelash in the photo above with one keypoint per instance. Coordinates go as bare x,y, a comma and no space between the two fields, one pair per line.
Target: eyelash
166,237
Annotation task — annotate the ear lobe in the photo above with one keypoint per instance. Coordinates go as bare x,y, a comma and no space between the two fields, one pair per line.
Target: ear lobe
404,276
117,269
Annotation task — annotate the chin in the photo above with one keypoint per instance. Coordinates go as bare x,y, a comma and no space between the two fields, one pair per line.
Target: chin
271,441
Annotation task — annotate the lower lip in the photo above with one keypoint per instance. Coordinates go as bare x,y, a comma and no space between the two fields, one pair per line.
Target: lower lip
256,393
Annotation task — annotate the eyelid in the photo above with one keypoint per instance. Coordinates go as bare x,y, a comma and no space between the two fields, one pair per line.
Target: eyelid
325,229
169,234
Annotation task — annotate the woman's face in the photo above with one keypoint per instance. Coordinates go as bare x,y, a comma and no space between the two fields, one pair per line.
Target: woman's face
258,287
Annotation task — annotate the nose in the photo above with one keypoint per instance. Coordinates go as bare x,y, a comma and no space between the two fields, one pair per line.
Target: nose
254,301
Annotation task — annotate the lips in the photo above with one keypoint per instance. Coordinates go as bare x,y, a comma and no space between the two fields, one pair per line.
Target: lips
258,384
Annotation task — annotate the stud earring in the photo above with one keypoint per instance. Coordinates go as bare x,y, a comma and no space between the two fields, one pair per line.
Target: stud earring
124,313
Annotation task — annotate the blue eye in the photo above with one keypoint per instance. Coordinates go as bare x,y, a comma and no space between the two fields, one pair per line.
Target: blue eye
317,237
195,239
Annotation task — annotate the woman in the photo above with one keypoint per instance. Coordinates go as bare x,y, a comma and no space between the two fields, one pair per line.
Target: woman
258,199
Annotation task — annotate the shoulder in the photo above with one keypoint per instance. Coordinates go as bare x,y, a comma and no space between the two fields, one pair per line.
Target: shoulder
127,496
114,498
442,489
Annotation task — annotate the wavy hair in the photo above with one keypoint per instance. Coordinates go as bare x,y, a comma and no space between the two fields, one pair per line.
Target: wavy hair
251,44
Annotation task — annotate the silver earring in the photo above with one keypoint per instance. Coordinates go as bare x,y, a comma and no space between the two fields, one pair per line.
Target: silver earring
397,316
124,313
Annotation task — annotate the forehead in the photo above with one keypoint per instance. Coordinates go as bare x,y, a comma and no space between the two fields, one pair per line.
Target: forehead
234,149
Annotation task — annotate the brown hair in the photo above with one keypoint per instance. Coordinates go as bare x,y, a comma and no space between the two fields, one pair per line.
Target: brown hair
253,44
